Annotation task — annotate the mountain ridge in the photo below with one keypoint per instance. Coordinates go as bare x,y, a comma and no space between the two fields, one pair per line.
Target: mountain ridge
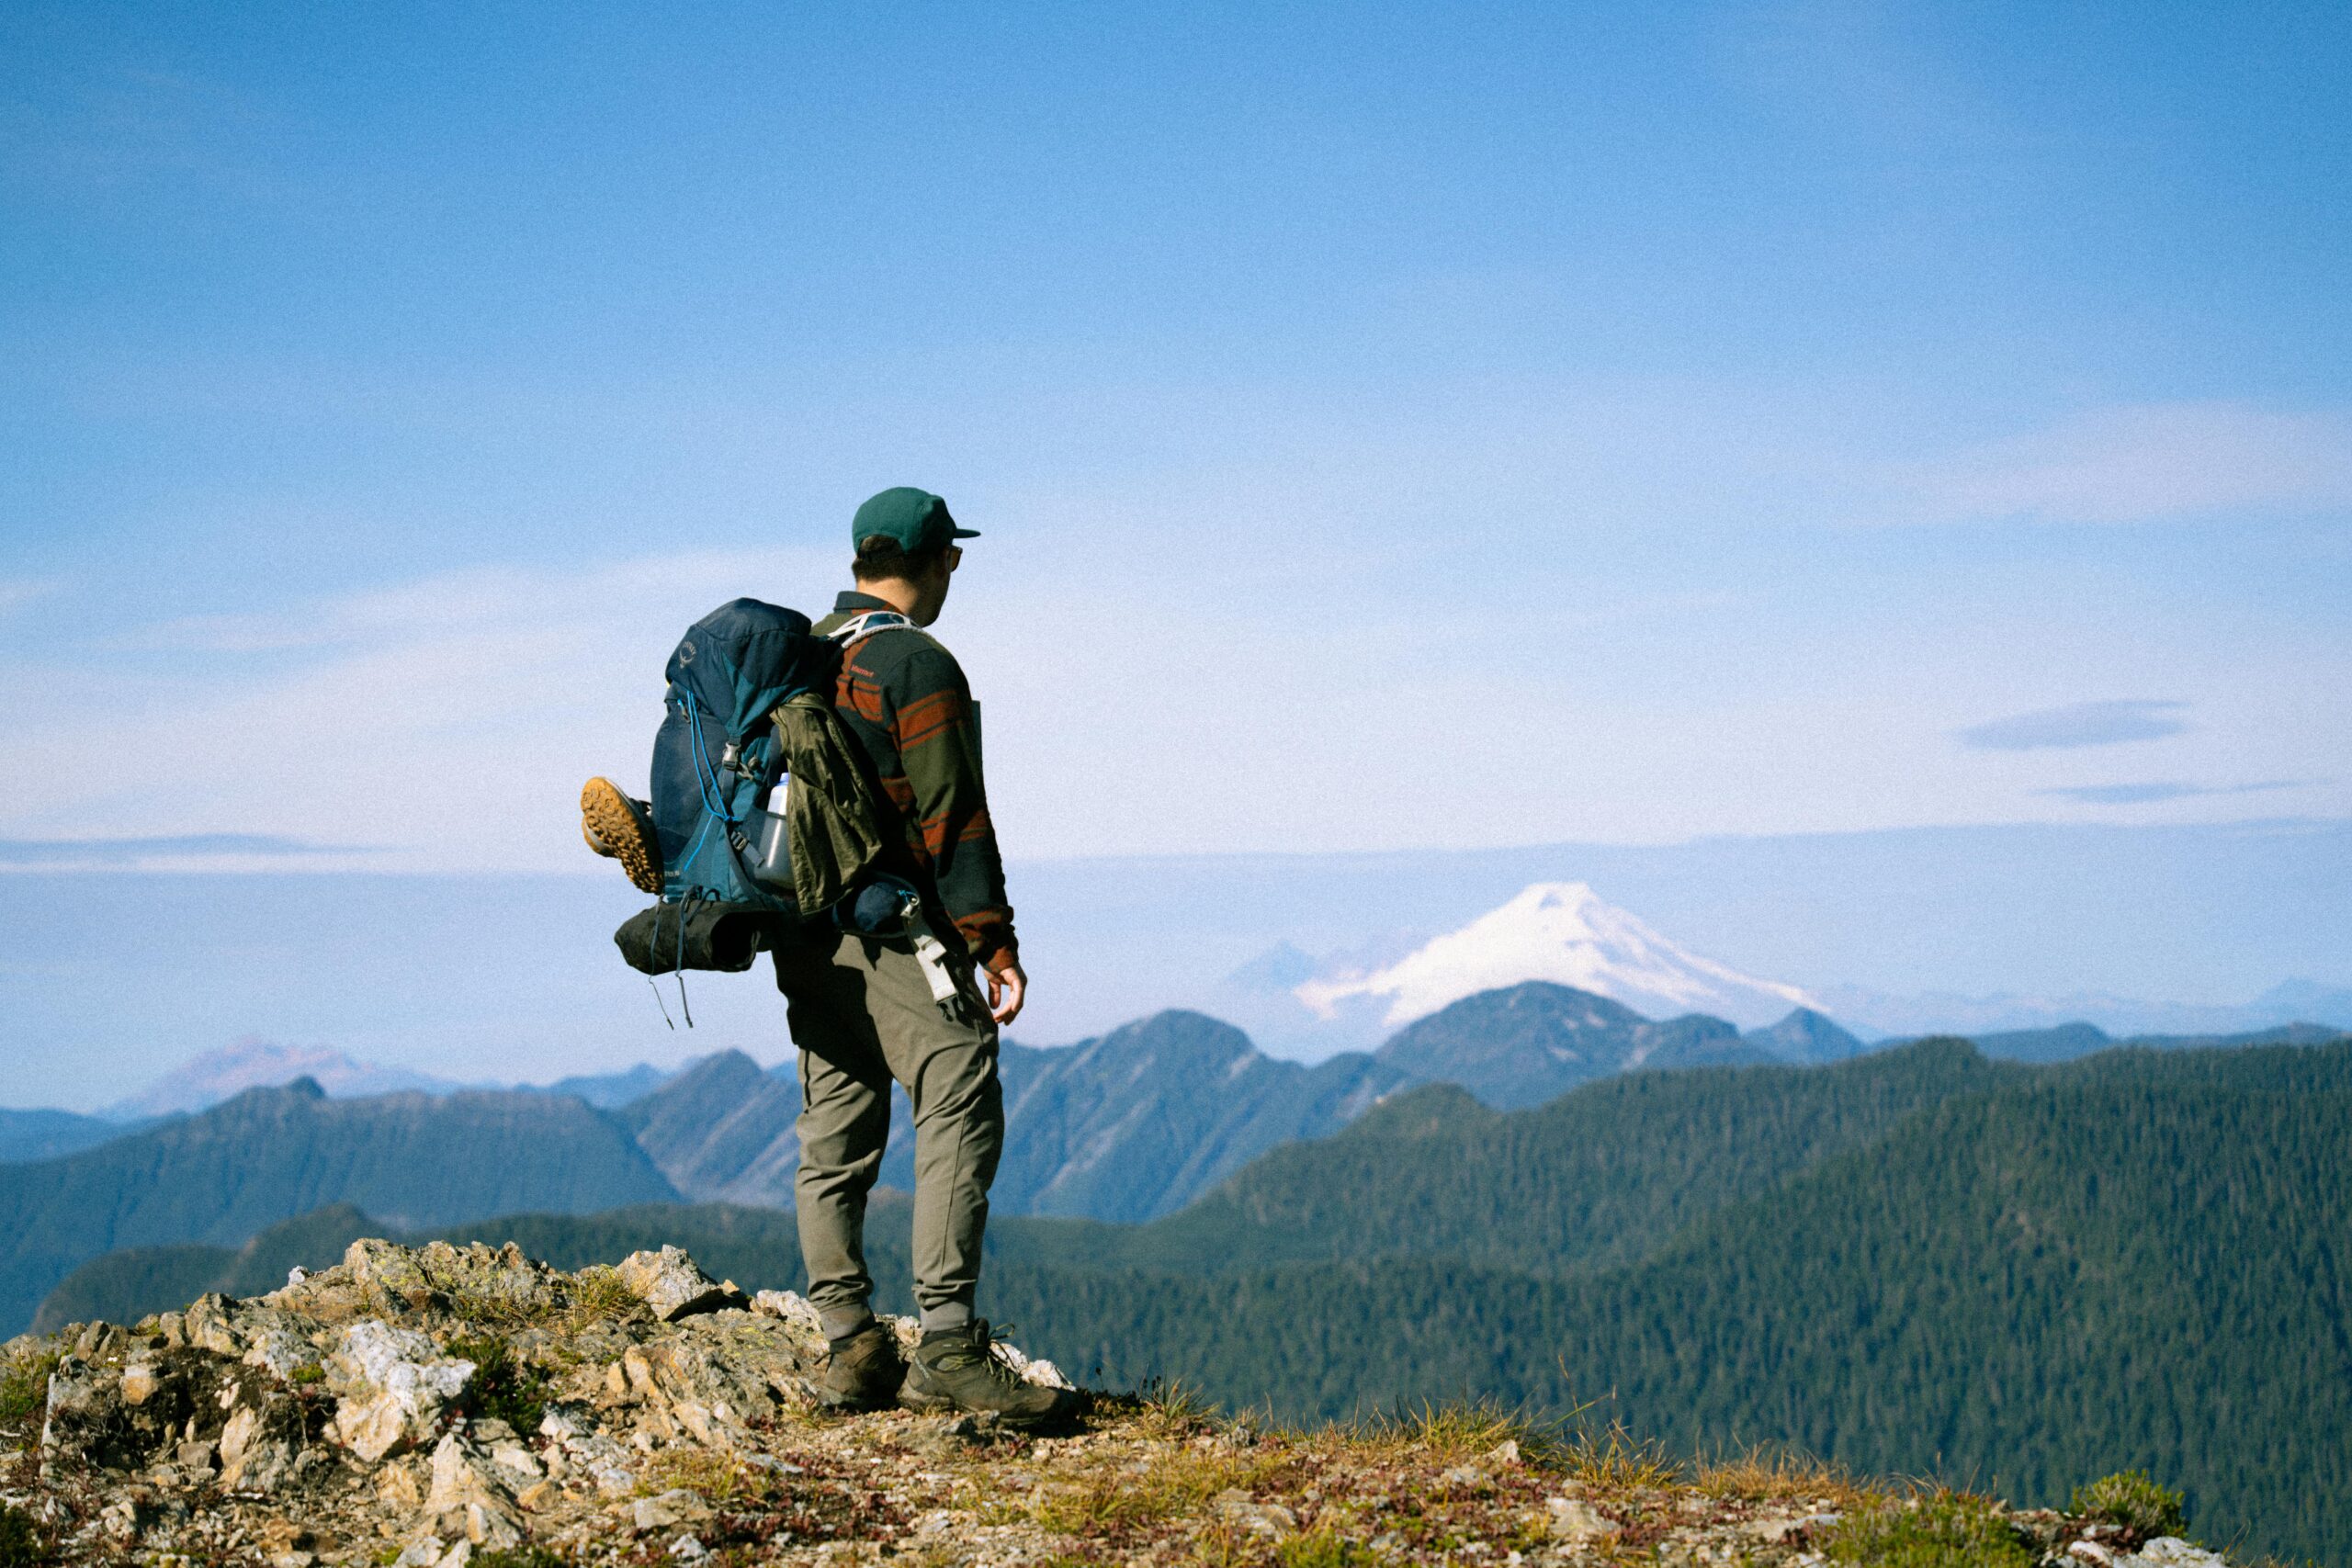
269,1154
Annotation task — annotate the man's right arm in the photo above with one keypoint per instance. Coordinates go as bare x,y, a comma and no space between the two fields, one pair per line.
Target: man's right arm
936,728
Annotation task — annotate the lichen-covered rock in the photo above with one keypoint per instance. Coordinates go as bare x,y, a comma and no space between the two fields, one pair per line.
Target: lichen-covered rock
674,1285
395,1384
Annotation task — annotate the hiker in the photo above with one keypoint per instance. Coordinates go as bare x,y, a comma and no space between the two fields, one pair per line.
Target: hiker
876,884
862,1012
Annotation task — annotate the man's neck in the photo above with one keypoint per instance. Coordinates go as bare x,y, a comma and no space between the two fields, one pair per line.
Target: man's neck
895,592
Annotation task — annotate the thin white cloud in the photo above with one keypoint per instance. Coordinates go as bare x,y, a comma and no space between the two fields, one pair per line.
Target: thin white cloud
2149,462
450,720
2078,724
2158,792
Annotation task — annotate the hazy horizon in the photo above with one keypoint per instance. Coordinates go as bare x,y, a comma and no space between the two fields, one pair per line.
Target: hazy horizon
117,976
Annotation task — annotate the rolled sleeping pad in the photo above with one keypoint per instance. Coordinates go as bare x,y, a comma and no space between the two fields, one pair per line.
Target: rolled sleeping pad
706,934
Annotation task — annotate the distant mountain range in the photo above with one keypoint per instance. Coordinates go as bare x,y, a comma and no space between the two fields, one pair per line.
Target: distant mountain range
1131,1125
1126,1127
1560,932
44,1135
254,1062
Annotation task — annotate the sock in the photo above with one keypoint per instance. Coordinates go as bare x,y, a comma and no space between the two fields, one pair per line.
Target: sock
841,1323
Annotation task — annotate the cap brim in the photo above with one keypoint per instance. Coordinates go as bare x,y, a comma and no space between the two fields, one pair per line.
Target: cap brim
965,534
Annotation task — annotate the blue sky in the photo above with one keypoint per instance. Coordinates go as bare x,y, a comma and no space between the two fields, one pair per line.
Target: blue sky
1391,427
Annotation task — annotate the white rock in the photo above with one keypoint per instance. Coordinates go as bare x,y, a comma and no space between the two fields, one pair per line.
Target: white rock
675,1507
398,1385
1041,1372
1566,1518
277,1349
672,1284
1237,1507
139,1383
603,1461
2171,1551
790,1306
512,1455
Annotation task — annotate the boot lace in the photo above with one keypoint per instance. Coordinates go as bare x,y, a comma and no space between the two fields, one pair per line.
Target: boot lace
984,1352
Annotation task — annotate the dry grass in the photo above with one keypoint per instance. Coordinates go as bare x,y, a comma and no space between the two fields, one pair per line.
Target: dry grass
1773,1474
1450,1434
498,1312
1612,1458
598,1294
720,1477
1119,1501
1173,1409
1321,1548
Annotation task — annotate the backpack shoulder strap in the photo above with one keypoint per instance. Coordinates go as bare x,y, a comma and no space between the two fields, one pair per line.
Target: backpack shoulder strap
860,627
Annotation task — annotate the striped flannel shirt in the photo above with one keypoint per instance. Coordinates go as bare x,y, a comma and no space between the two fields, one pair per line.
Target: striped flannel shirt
904,699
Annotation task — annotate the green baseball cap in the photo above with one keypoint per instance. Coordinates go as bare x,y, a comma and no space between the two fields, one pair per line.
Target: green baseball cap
915,520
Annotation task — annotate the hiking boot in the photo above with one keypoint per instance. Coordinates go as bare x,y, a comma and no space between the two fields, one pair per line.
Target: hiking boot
957,1368
621,829
862,1371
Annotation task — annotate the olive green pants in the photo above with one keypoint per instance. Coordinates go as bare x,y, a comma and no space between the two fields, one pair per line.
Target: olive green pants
863,1016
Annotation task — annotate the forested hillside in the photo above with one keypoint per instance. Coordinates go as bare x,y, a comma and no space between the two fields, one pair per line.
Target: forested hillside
219,1176
1595,1177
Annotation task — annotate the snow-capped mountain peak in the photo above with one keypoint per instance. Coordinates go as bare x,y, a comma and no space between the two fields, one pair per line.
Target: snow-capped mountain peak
1565,932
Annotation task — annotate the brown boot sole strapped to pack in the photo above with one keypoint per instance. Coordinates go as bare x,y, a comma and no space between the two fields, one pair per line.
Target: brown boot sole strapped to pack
613,827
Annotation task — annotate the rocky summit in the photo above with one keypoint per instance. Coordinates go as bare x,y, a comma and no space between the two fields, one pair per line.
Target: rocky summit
469,1408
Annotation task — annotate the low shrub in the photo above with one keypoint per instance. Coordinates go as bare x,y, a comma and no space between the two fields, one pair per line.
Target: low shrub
24,1385
519,1557
1941,1530
599,1292
1321,1548
2129,1499
20,1544
505,1387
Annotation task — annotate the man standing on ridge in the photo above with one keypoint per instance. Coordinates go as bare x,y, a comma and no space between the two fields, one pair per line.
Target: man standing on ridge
862,1009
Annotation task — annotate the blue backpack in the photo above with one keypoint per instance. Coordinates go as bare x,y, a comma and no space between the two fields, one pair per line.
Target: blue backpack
750,699
717,754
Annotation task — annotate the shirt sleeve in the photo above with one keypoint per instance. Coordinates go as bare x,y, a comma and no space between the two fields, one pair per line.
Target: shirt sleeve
936,726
